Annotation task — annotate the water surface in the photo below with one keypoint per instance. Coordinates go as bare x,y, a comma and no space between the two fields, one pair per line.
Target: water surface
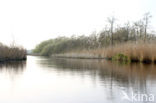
47,80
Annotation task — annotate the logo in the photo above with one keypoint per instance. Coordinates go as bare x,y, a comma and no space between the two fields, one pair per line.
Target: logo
138,97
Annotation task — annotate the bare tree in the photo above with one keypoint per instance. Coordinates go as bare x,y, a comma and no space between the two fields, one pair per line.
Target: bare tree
139,27
146,18
127,26
111,20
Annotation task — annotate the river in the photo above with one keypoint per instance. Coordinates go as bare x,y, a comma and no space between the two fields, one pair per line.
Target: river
58,80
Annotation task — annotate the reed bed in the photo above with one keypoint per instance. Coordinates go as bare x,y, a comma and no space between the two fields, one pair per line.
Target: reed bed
134,52
8,53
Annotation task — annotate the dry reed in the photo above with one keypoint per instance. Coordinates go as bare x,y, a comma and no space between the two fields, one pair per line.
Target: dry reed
12,53
141,52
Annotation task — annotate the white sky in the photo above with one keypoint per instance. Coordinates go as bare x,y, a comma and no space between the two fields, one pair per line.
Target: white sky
29,22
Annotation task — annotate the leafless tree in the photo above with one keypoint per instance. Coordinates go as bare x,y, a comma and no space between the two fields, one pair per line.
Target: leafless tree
146,18
111,20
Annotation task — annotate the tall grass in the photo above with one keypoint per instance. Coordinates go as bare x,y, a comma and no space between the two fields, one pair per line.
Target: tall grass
8,53
141,52
134,52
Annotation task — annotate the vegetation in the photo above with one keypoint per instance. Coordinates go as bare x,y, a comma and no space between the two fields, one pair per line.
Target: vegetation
140,52
120,57
130,42
11,53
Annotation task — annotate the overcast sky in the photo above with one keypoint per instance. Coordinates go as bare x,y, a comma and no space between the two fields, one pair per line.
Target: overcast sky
29,22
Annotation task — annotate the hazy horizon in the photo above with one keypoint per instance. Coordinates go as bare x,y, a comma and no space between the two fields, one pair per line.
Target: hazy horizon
32,21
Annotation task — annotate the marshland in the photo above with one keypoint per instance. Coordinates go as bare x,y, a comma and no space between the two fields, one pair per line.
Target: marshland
131,42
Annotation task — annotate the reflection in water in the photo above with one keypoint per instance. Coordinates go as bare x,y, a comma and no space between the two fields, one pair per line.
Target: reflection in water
11,71
136,77
15,67
51,80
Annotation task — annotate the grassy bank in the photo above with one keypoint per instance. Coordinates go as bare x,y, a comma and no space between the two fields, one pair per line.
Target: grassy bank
125,52
11,53
131,52
128,52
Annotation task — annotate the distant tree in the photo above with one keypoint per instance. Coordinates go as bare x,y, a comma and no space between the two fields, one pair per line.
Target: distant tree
146,18
111,20
109,36
140,27
127,26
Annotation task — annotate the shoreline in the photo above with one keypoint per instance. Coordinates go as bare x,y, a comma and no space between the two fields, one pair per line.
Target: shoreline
79,56
8,60
97,57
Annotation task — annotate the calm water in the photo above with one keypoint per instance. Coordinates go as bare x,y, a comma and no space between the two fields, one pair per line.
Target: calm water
45,80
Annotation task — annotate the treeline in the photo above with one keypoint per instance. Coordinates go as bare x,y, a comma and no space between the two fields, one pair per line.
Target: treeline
11,53
130,32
